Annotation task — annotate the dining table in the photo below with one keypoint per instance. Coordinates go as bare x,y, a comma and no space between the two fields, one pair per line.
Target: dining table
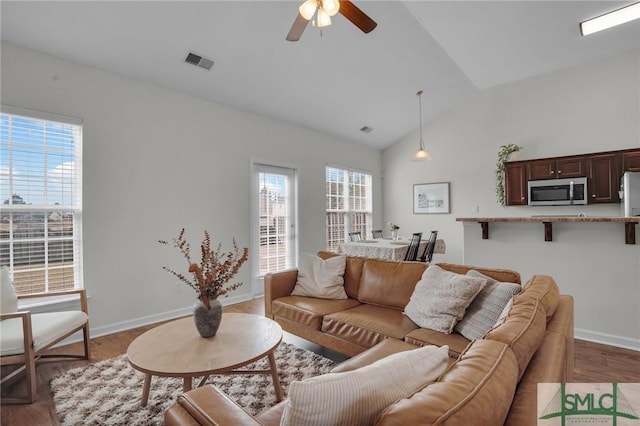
386,248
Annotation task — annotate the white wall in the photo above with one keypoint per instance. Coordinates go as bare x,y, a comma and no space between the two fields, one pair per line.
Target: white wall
580,110
154,161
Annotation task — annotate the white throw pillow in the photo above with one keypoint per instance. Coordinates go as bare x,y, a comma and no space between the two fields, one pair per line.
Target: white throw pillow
483,312
8,298
321,278
357,397
440,298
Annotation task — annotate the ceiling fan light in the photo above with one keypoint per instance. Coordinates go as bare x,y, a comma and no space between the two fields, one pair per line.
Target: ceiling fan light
308,8
331,6
323,19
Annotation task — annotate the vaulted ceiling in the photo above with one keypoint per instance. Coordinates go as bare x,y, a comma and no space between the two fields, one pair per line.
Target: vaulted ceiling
336,81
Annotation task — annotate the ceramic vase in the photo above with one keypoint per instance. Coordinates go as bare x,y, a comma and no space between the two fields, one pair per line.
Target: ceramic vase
207,321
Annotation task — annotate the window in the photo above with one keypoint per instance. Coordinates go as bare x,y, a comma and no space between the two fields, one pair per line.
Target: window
348,205
40,193
274,220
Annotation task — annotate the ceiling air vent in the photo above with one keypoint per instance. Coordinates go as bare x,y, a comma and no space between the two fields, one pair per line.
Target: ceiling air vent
199,61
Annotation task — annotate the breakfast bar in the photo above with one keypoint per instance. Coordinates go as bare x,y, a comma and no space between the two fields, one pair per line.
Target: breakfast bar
629,223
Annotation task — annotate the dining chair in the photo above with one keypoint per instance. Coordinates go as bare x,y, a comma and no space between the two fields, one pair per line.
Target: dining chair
427,255
355,236
376,233
25,338
414,245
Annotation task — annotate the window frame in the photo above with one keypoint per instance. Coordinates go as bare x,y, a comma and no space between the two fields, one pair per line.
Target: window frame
291,174
47,209
345,203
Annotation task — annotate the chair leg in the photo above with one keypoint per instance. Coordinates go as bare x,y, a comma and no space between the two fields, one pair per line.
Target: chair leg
87,341
32,387
29,360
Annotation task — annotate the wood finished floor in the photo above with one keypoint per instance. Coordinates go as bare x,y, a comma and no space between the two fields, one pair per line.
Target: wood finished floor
594,363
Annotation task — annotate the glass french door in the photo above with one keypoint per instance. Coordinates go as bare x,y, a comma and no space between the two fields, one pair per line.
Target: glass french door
274,221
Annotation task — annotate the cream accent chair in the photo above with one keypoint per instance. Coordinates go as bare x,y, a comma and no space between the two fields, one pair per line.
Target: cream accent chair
41,332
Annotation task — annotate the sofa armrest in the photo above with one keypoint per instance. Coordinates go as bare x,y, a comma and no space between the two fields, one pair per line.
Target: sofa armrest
207,405
278,284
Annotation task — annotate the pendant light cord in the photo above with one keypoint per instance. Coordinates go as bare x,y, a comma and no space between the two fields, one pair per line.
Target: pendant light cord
420,118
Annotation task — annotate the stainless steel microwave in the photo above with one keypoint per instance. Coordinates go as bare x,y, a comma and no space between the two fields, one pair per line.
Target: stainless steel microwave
558,192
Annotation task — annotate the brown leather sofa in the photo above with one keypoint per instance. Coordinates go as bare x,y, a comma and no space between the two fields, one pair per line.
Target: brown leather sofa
489,381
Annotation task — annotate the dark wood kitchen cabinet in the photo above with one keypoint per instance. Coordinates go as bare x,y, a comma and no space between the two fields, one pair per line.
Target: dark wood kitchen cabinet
604,178
603,170
515,184
631,161
557,168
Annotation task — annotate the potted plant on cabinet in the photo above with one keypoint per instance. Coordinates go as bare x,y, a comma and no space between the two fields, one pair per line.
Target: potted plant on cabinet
503,156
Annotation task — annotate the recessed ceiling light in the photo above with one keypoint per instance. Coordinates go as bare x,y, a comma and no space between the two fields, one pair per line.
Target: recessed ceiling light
611,19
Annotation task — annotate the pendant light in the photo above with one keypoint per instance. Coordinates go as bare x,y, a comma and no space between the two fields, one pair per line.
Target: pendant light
422,154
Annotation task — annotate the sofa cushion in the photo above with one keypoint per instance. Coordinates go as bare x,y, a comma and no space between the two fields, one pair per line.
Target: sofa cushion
352,272
503,275
366,325
47,328
424,336
309,311
271,416
523,329
357,397
477,389
545,289
381,350
322,278
389,283
486,307
441,297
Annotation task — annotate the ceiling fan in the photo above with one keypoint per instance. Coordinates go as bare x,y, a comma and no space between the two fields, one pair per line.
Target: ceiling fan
320,13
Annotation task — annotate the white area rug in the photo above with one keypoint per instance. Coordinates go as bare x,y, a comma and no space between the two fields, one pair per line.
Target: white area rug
109,392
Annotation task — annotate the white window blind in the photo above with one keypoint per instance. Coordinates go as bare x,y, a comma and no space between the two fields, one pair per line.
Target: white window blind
40,191
348,205
276,206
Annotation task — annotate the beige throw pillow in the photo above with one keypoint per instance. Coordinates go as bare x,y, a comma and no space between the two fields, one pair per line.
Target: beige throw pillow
321,278
440,298
357,397
503,315
484,311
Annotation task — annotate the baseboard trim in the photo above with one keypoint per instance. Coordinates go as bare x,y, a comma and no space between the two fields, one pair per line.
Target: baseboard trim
607,339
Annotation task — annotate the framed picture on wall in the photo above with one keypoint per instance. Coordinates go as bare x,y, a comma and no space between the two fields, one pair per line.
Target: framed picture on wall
431,197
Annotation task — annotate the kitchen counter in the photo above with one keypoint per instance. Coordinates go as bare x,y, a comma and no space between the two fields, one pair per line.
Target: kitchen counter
629,223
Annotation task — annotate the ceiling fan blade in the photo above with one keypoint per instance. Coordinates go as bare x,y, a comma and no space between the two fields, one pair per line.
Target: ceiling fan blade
357,17
297,28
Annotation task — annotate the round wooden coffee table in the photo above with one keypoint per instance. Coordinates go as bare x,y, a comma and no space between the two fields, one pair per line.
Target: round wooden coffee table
175,349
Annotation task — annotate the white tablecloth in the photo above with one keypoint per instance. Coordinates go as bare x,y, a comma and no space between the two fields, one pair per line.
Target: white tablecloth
386,249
